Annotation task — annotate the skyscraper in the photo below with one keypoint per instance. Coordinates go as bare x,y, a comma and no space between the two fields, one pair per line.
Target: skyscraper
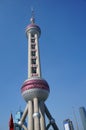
83,116
35,89
13,124
68,125
17,119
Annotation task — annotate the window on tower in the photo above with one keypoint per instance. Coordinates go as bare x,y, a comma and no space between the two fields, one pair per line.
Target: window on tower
32,46
32,40
33,61
33,53
32,35
33,69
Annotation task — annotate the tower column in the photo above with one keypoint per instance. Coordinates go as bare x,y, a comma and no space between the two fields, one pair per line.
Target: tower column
36,115
42,116
29,55
30,115
38,56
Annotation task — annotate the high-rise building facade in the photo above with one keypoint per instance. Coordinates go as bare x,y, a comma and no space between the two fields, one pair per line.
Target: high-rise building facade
17,118
68,125
13,123
83,116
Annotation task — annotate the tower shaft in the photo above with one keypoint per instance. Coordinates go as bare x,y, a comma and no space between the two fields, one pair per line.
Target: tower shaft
34,67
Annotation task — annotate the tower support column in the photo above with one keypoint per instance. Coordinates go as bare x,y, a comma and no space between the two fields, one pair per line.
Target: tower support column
36,114
29,55
42,116
30,115
38,56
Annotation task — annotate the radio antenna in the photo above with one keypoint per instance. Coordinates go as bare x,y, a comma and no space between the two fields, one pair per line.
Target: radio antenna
32,16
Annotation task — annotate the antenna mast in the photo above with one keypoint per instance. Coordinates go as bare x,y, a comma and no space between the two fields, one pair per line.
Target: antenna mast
32,16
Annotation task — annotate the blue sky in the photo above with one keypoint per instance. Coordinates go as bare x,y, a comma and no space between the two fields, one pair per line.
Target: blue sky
62,50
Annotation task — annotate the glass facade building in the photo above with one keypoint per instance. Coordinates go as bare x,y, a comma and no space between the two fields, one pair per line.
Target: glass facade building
83,116
17,119
68,125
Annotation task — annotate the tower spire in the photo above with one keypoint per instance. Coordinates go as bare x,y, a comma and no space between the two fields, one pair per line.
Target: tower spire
32,20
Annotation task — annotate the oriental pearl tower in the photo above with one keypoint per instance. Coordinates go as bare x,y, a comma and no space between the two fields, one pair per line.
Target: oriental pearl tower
35,90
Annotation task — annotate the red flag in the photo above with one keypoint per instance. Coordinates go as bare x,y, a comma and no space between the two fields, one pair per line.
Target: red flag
11,124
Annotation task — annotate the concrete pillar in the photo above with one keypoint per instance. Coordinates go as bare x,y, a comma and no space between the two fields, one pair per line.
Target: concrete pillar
24,115
42,116
30,115
36,115
29,55
24,127
38,56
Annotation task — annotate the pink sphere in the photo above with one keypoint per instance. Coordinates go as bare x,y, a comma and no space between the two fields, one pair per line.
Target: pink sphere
35,88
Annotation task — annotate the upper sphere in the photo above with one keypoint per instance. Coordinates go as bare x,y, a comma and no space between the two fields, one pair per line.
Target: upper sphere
33,28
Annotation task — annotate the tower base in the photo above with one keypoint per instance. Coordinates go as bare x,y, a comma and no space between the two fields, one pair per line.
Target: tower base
36,111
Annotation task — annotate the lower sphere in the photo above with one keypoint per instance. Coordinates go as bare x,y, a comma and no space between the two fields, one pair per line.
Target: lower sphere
35,88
